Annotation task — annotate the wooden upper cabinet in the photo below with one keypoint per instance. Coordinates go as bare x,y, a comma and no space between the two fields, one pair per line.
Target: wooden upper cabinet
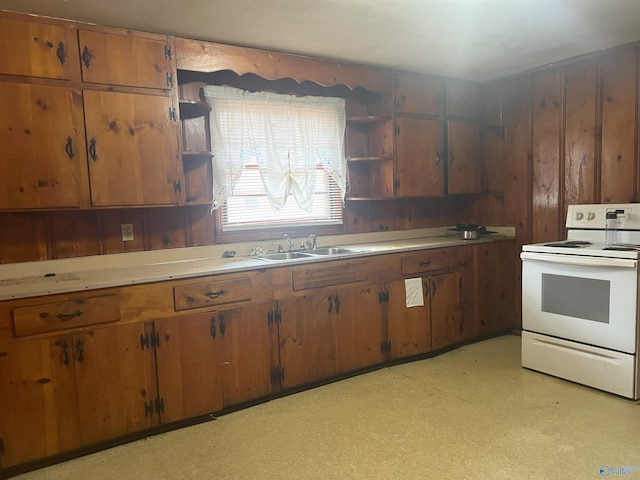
419,94
419,157
464,158
42,162
463,99
37,49
129,59
133,149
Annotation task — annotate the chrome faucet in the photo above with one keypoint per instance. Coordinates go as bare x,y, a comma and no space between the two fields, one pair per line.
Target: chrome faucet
314,241
289,242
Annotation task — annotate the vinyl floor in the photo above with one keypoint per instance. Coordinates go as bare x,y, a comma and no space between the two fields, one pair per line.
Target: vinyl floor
471,413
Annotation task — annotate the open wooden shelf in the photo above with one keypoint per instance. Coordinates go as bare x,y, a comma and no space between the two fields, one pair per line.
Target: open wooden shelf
193,109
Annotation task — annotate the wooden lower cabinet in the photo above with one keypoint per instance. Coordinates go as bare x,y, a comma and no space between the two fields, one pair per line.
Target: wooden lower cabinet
307,333
408,328
495,267
359,327
93,384
214,360
115,381
330,333
248,353
446,317
189,376
73,390
38,409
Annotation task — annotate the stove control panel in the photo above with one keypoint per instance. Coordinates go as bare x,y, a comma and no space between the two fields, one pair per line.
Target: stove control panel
595,215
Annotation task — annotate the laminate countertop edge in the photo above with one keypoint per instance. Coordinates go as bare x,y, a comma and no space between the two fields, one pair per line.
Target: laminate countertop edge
47,277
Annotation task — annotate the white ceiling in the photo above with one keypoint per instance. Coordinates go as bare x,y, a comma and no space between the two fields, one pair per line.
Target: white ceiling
473,39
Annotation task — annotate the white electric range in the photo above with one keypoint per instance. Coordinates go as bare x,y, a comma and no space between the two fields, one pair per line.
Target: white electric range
580,301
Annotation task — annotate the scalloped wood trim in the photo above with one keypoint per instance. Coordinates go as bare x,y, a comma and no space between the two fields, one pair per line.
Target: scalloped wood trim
209,57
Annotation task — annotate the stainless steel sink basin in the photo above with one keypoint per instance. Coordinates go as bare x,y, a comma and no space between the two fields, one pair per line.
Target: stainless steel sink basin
320,252
335,251
283,256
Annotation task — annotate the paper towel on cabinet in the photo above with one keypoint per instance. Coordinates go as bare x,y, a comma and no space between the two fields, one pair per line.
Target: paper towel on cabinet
413,292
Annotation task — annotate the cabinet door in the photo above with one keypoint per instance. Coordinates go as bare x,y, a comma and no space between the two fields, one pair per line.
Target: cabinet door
37,49
41,158
189,378
133,149
115,375
496,284
419,94
38,410
463,99
419,162
359,327
307,334
249,352
408,328
464,160
446,321
125,59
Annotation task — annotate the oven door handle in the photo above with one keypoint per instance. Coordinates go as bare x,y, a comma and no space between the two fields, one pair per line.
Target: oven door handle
580,260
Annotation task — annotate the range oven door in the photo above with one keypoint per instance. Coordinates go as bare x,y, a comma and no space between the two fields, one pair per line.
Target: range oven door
592,300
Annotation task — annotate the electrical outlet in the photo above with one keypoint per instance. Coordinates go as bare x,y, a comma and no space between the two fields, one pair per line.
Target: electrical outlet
127,232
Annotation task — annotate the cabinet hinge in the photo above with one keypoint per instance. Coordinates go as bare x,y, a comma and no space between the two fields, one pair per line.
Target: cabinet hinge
177,186
277,375
159,405
397,184
397,129
1,447
144,341
170,80
148,408
269,318
385,346
167,52
383,297
155,340
278,317
173,116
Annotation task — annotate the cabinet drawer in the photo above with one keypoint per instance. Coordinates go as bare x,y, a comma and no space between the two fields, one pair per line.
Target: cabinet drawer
196,295
314,276
51,317
423,261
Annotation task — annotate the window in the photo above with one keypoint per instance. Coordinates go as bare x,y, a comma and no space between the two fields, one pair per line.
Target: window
278,159
249,207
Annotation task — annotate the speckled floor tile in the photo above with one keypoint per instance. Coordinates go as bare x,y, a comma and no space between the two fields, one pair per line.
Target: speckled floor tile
471,413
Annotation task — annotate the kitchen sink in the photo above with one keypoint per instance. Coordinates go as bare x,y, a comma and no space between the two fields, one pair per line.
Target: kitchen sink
335,251
320,252
283,256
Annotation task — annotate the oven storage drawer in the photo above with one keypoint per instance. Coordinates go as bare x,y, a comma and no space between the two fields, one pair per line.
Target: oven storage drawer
606,370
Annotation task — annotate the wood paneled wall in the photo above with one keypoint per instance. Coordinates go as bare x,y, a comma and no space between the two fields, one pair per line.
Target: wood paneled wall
63,234
561,136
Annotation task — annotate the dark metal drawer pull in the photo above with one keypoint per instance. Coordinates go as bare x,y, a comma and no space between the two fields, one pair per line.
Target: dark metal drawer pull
86,57
65,317
60,53
425,263
215,294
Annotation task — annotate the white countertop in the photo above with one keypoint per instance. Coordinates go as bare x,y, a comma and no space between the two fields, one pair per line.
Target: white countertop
30,279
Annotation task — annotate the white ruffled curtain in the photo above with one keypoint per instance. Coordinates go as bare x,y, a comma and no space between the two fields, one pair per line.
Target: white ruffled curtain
287,136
